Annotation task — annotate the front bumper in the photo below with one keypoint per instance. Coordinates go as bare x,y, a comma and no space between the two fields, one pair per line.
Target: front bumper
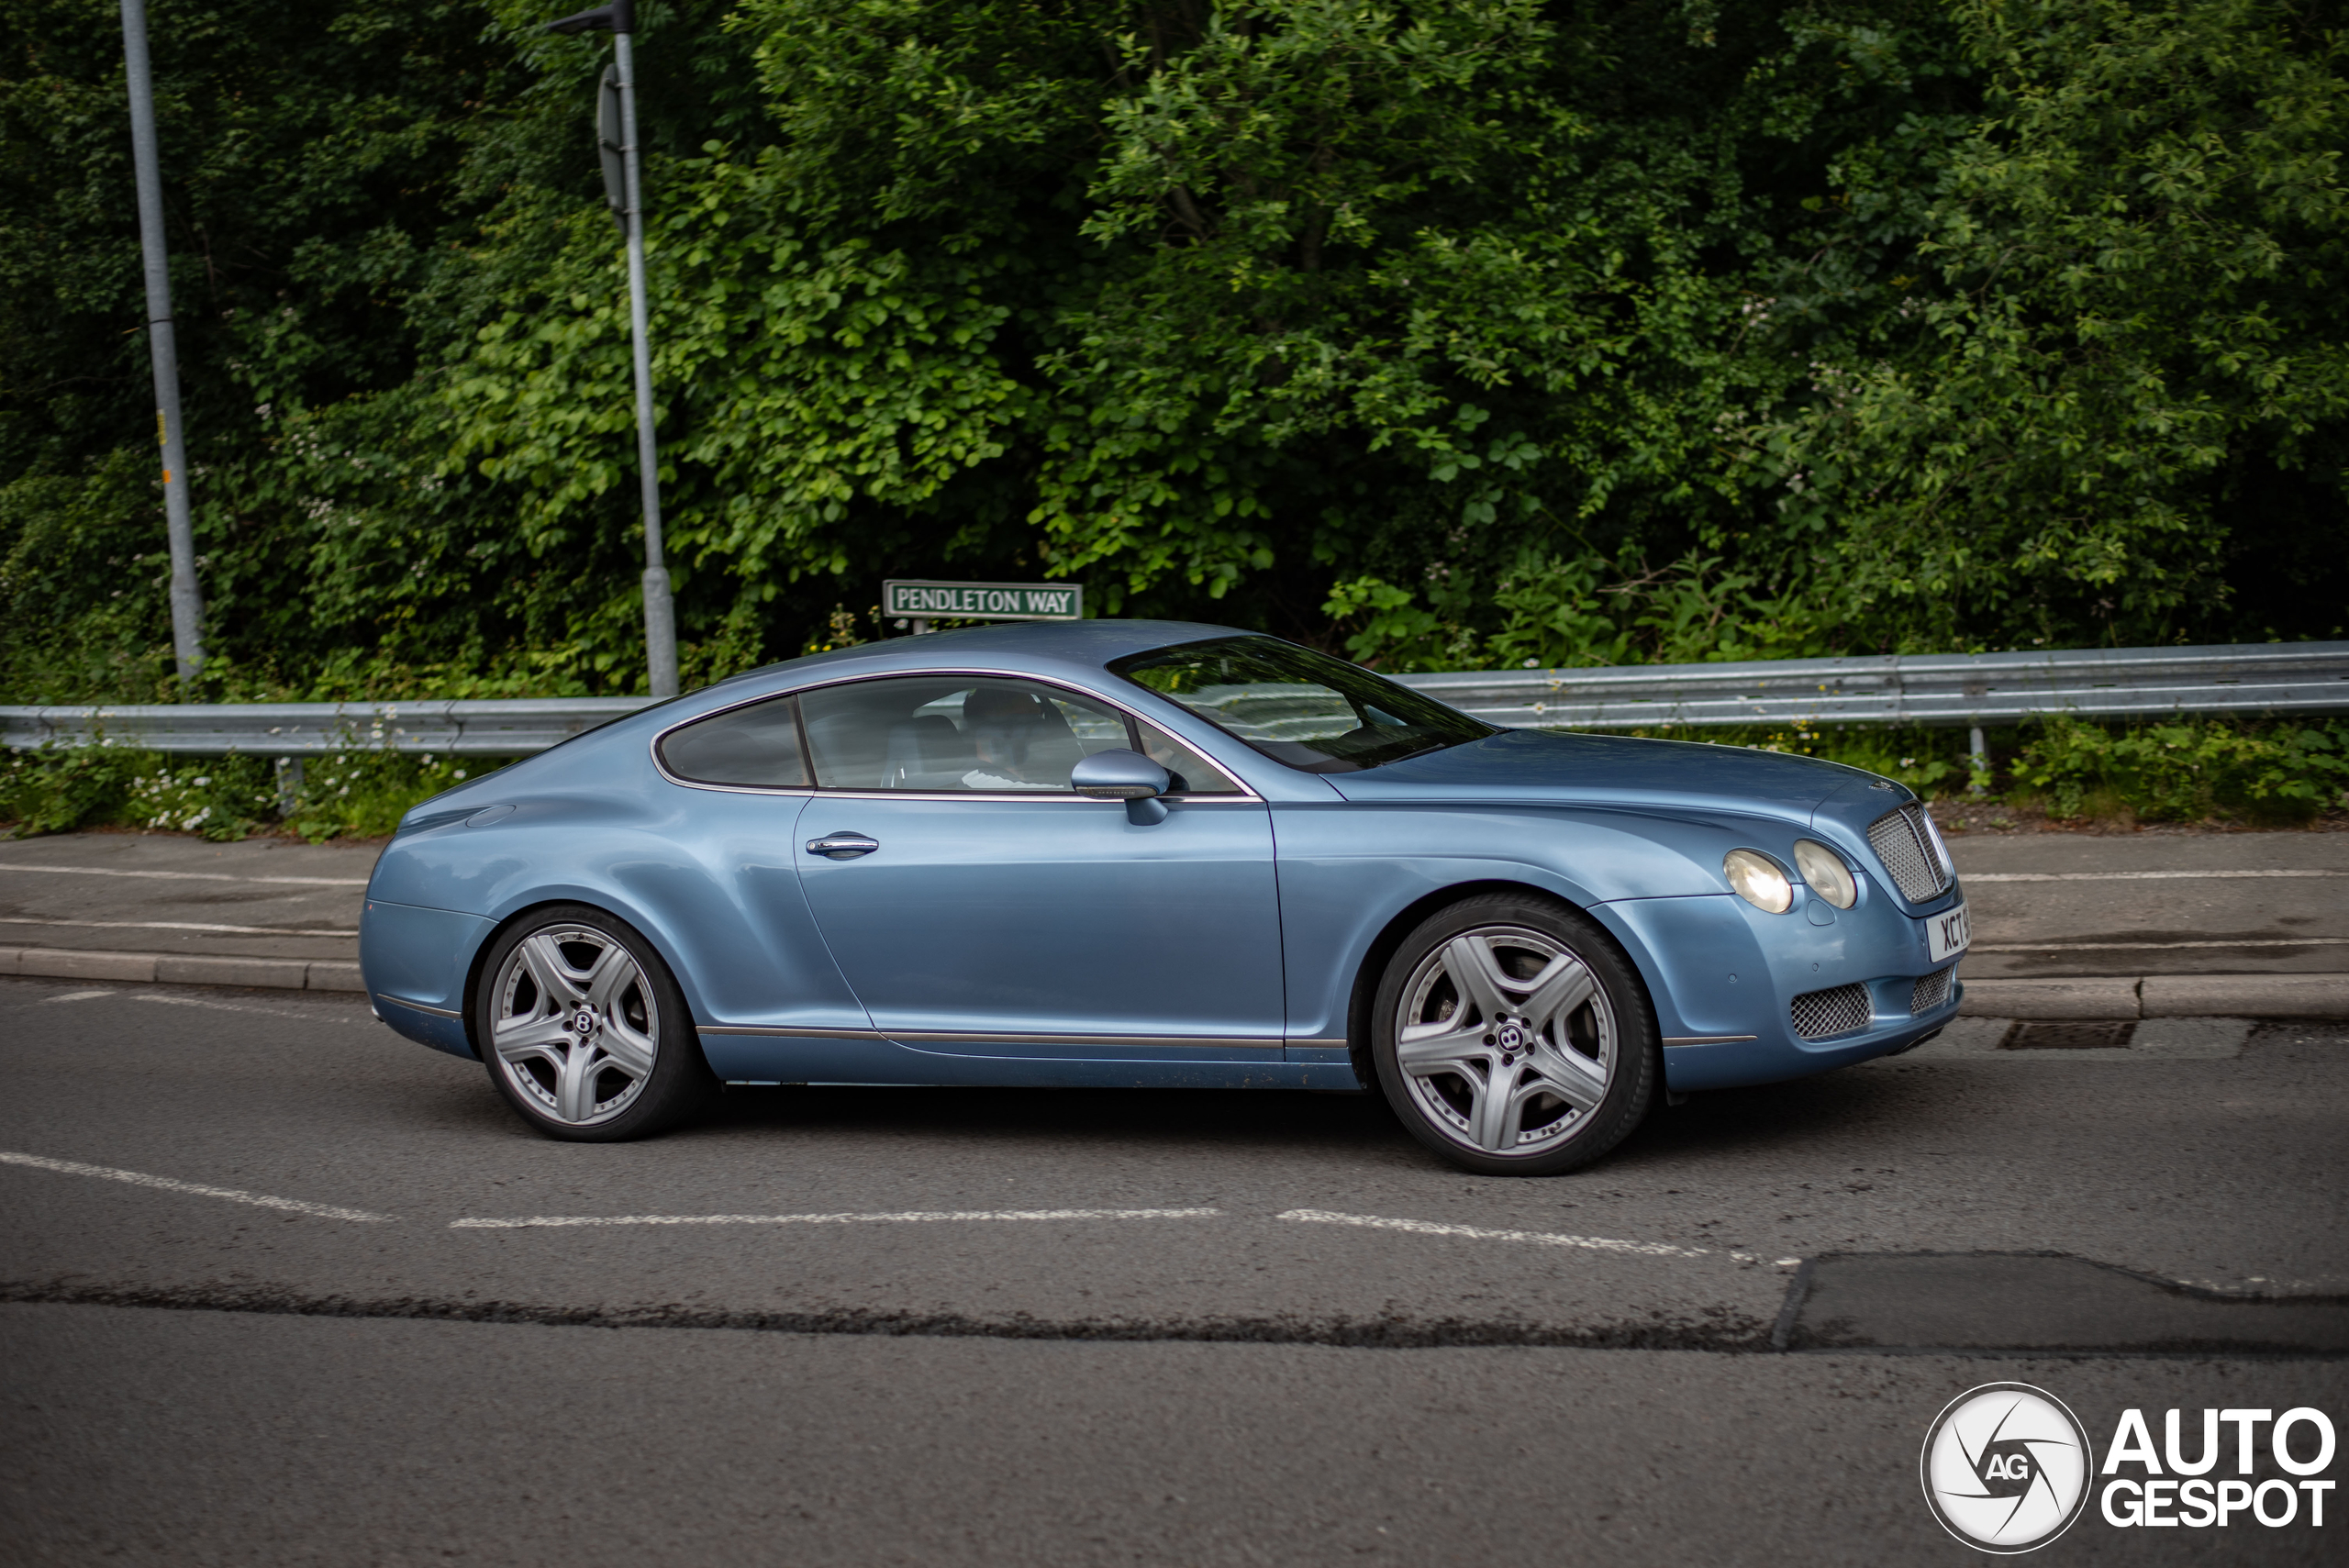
1724,976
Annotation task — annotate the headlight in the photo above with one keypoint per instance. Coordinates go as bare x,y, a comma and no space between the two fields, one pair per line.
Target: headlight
1825,870
1758,881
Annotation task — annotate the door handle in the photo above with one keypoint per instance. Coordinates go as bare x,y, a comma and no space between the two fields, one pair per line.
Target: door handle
842,846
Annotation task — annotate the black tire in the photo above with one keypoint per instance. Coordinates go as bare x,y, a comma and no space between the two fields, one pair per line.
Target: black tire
577,1009
1564,1028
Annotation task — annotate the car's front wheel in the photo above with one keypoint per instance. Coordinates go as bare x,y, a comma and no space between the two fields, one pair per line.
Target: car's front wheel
584,1030
1513,1038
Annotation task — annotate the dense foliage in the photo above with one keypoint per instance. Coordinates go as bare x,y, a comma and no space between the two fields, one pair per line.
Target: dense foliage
1450,334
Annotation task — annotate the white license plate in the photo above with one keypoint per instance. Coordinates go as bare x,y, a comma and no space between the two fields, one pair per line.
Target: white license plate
1945,935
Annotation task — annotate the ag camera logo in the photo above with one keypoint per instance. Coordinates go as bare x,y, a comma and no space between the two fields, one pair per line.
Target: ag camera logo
2006,1467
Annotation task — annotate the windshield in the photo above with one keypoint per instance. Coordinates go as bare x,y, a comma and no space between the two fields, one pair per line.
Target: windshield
1297,707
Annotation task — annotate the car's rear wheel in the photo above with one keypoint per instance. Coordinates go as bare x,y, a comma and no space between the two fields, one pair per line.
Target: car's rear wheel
584,1030
1513,1038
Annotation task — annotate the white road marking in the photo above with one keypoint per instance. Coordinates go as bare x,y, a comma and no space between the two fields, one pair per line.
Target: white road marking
2095,947
193,875
179,925
1478,1233
911,1217
2121,875
321,1013
77,995
166,1184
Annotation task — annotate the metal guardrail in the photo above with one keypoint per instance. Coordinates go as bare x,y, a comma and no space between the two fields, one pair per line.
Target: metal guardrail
1941,689
497,728
1938,689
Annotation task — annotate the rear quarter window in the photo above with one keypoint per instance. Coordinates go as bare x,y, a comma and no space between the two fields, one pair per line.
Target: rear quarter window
755,747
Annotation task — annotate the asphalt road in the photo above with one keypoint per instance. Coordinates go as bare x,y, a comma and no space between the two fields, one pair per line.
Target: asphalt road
2066,904
266,1295
171,893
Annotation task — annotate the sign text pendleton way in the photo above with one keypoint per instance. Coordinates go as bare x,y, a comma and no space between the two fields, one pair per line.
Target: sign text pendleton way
981,601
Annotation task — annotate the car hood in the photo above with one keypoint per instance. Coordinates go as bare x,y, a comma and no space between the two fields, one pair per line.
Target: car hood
1607,770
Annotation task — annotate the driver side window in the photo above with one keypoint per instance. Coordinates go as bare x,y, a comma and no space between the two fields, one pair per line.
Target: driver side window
953,734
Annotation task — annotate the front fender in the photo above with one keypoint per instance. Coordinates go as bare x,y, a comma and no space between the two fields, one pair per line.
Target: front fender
1344,878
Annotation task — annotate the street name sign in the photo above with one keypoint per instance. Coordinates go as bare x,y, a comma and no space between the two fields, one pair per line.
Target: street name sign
924,601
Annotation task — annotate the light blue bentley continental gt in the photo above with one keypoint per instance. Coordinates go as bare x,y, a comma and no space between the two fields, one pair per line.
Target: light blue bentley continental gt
1146,853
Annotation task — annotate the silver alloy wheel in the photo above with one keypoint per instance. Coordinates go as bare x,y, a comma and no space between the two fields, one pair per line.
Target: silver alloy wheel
1506,1040
575,1029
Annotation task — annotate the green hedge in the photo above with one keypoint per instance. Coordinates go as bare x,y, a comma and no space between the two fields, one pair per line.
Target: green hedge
1463,331
2272,773
357,793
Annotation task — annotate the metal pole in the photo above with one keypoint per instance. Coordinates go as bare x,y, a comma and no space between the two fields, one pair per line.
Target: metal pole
659,612
187,599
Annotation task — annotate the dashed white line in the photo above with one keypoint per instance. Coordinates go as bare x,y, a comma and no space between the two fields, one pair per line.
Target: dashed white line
331,1013
909,1217
198,1189
1479,1233
77,996
193,875
2122,875
178,926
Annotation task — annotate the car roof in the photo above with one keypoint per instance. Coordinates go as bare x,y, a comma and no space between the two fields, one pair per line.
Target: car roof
1084,643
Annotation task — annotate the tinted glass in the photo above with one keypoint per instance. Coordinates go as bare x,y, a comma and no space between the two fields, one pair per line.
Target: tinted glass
758,745
1193,775
1297,707
954,733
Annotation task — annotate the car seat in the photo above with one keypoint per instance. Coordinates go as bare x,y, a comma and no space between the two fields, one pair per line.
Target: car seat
926,752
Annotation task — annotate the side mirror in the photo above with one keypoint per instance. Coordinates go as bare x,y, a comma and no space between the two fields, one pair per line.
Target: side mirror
1124,775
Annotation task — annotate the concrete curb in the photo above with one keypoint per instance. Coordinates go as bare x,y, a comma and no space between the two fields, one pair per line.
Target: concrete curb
2162,996
179,968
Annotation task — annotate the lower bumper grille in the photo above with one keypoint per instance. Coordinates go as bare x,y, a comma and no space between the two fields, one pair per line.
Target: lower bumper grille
1930,990
1818,1014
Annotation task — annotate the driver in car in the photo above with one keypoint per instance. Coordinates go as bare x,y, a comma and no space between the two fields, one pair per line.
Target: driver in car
1003,728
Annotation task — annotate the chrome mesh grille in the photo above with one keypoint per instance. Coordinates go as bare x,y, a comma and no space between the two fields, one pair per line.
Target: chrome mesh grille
1818,1014
1904,845
1930,990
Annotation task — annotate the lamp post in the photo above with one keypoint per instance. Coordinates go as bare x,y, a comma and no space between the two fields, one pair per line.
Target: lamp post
162,347
627,201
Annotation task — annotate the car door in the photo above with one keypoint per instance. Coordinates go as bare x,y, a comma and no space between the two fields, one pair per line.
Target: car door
742,786
980,907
